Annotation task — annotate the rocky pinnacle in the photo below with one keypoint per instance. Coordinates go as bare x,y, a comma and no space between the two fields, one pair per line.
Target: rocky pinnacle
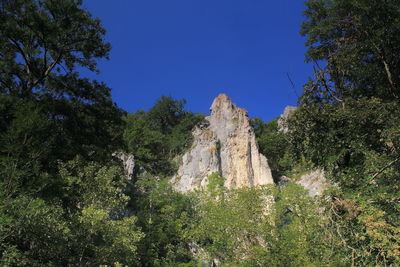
225,144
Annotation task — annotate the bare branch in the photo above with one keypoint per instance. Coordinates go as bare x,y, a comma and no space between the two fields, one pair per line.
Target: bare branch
384,62
293,86
46,72
383,169
321,77
24,56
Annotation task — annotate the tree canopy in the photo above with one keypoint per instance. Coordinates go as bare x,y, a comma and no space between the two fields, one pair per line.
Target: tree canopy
60,190
348,121
357,43
157,136
65,201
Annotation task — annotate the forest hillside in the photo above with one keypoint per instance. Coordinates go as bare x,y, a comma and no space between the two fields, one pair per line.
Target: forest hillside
317,186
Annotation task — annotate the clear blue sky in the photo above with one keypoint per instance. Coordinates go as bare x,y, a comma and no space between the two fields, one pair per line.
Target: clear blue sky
196,49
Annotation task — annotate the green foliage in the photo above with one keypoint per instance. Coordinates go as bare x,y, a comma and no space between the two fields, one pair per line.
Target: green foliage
89,183
99,233
332,136
163,216
79,228
166,114
43,44
228,227
48,111
348,121
274,145
357,144
215,185
25,150
358,41
147,145
31,232
61,198
303,235
100,240
266,227
157,136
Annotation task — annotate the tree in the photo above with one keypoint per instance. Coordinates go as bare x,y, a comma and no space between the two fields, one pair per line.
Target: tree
273,144
302,235
166,114
265,226
231,226
48,111
61,197
88,229
157,136
148,145
43,42
99,230
164,216
358,44
348,120
44,46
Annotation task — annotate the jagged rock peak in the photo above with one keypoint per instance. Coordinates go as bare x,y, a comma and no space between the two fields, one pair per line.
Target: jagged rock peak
226,145
222,104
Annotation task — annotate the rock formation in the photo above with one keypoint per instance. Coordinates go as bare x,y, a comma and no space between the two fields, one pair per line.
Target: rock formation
128,162
315,182
225,144
282,122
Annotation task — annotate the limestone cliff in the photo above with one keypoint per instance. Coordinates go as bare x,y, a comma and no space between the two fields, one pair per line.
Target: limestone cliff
225,144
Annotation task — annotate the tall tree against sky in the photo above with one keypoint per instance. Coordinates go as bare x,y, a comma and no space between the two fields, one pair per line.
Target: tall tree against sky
60,194
349,120
45,46
359,43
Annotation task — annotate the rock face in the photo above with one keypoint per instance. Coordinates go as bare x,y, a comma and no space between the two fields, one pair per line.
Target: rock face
315,182
226,145
282,122
128,162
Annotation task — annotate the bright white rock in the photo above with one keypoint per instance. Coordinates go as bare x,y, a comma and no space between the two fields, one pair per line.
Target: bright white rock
226,144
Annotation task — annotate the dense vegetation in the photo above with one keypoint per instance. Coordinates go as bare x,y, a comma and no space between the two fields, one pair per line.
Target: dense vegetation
157,136
64,200
61,194
349,122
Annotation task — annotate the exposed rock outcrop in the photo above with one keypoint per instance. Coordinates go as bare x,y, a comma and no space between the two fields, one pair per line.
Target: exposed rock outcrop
225,144
282,121
128,161
314,182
